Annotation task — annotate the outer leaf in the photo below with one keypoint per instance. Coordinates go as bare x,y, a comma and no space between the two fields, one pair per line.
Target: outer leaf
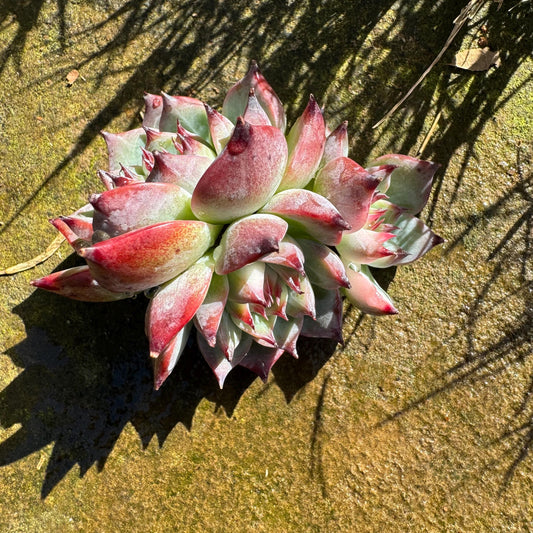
147,257
153,105
308,213
79,227
243,177
410,182
411,236
365,293
289,255
349,187
286,333
207,318
190,112
328,321
167,359
182,170
78,284
306,146
336,144
302,303
248,239
229,336
160,140
176,303
237,98
69,231
366,247
247,284
190,144
323,266
254,113
220,128
219,364
261,359
136,206
124,148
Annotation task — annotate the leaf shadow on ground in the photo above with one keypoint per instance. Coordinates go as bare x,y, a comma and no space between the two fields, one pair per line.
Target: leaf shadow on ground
82,382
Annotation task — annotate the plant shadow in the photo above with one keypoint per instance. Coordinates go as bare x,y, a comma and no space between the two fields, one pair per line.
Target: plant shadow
86,374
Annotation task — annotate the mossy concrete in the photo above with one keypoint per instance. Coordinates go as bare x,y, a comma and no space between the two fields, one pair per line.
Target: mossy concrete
421,422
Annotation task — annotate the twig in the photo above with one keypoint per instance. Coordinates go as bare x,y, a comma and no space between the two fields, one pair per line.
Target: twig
467,13
41,258
429,134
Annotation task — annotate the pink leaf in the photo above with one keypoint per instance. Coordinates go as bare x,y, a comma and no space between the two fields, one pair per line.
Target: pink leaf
77,283
147,257
176,303
306,145
349,187
309,213
243,177
248,239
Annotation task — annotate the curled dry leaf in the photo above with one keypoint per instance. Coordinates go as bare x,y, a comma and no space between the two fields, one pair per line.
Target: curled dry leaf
72,76
476,59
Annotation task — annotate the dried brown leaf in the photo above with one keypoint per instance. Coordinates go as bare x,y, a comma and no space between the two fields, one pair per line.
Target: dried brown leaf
72,76
476,59
53,247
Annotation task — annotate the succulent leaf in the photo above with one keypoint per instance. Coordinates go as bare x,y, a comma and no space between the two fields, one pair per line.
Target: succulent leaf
182,170
237,98
189,112
219,363
246,240
77,283
247,284
336,144
365,246
209,314
135,206
308,213
306,141
144,258
243,177
220,128
327,323
175,304
349,187
412,237
254,113
260,359
323,266
153,106
289,254
124,148
167,359
365,292
410,181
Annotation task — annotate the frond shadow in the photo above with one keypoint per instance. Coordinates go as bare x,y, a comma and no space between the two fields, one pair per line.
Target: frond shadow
512,343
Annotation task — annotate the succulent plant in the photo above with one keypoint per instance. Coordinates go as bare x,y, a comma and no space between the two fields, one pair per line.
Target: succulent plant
249,236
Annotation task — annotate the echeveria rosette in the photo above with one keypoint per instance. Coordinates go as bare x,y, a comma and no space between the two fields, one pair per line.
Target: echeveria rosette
232,228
